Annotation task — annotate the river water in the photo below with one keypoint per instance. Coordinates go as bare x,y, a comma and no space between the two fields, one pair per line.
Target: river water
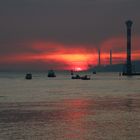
107,107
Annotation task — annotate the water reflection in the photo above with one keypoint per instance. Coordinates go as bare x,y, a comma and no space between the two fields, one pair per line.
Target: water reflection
75,119
65,119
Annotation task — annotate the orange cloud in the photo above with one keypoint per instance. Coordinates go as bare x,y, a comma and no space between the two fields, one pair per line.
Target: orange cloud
72,56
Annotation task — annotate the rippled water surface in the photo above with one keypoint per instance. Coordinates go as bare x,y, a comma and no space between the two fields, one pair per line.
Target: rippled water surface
107,107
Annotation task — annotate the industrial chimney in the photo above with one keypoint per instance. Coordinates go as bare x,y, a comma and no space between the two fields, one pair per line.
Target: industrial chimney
99,57
110,57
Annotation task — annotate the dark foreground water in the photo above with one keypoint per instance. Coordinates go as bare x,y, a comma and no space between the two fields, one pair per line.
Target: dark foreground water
104,108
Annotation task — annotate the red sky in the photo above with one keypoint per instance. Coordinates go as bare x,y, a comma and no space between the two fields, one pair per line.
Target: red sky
71,56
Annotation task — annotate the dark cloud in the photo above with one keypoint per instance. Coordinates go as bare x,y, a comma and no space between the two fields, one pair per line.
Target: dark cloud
71,21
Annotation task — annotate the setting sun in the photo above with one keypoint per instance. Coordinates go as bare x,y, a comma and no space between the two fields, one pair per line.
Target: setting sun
78,69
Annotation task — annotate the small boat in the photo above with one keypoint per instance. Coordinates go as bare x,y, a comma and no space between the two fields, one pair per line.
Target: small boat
28,76
94,72
76,77
51,73
86,77
72,72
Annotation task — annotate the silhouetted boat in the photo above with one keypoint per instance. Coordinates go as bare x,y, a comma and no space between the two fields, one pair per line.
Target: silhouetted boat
72,72
51,73
86,77
76,77
28,76
94,72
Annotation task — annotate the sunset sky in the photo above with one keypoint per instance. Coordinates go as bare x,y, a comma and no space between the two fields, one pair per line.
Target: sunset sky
65,34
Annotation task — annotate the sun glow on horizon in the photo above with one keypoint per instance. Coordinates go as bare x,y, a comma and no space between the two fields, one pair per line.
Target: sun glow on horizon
78,69
77,62
70,56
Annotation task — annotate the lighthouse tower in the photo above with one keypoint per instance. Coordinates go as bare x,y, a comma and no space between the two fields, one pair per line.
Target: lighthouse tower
129,63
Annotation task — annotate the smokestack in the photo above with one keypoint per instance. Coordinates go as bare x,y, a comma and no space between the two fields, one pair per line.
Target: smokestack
129,64
110,57
99,57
